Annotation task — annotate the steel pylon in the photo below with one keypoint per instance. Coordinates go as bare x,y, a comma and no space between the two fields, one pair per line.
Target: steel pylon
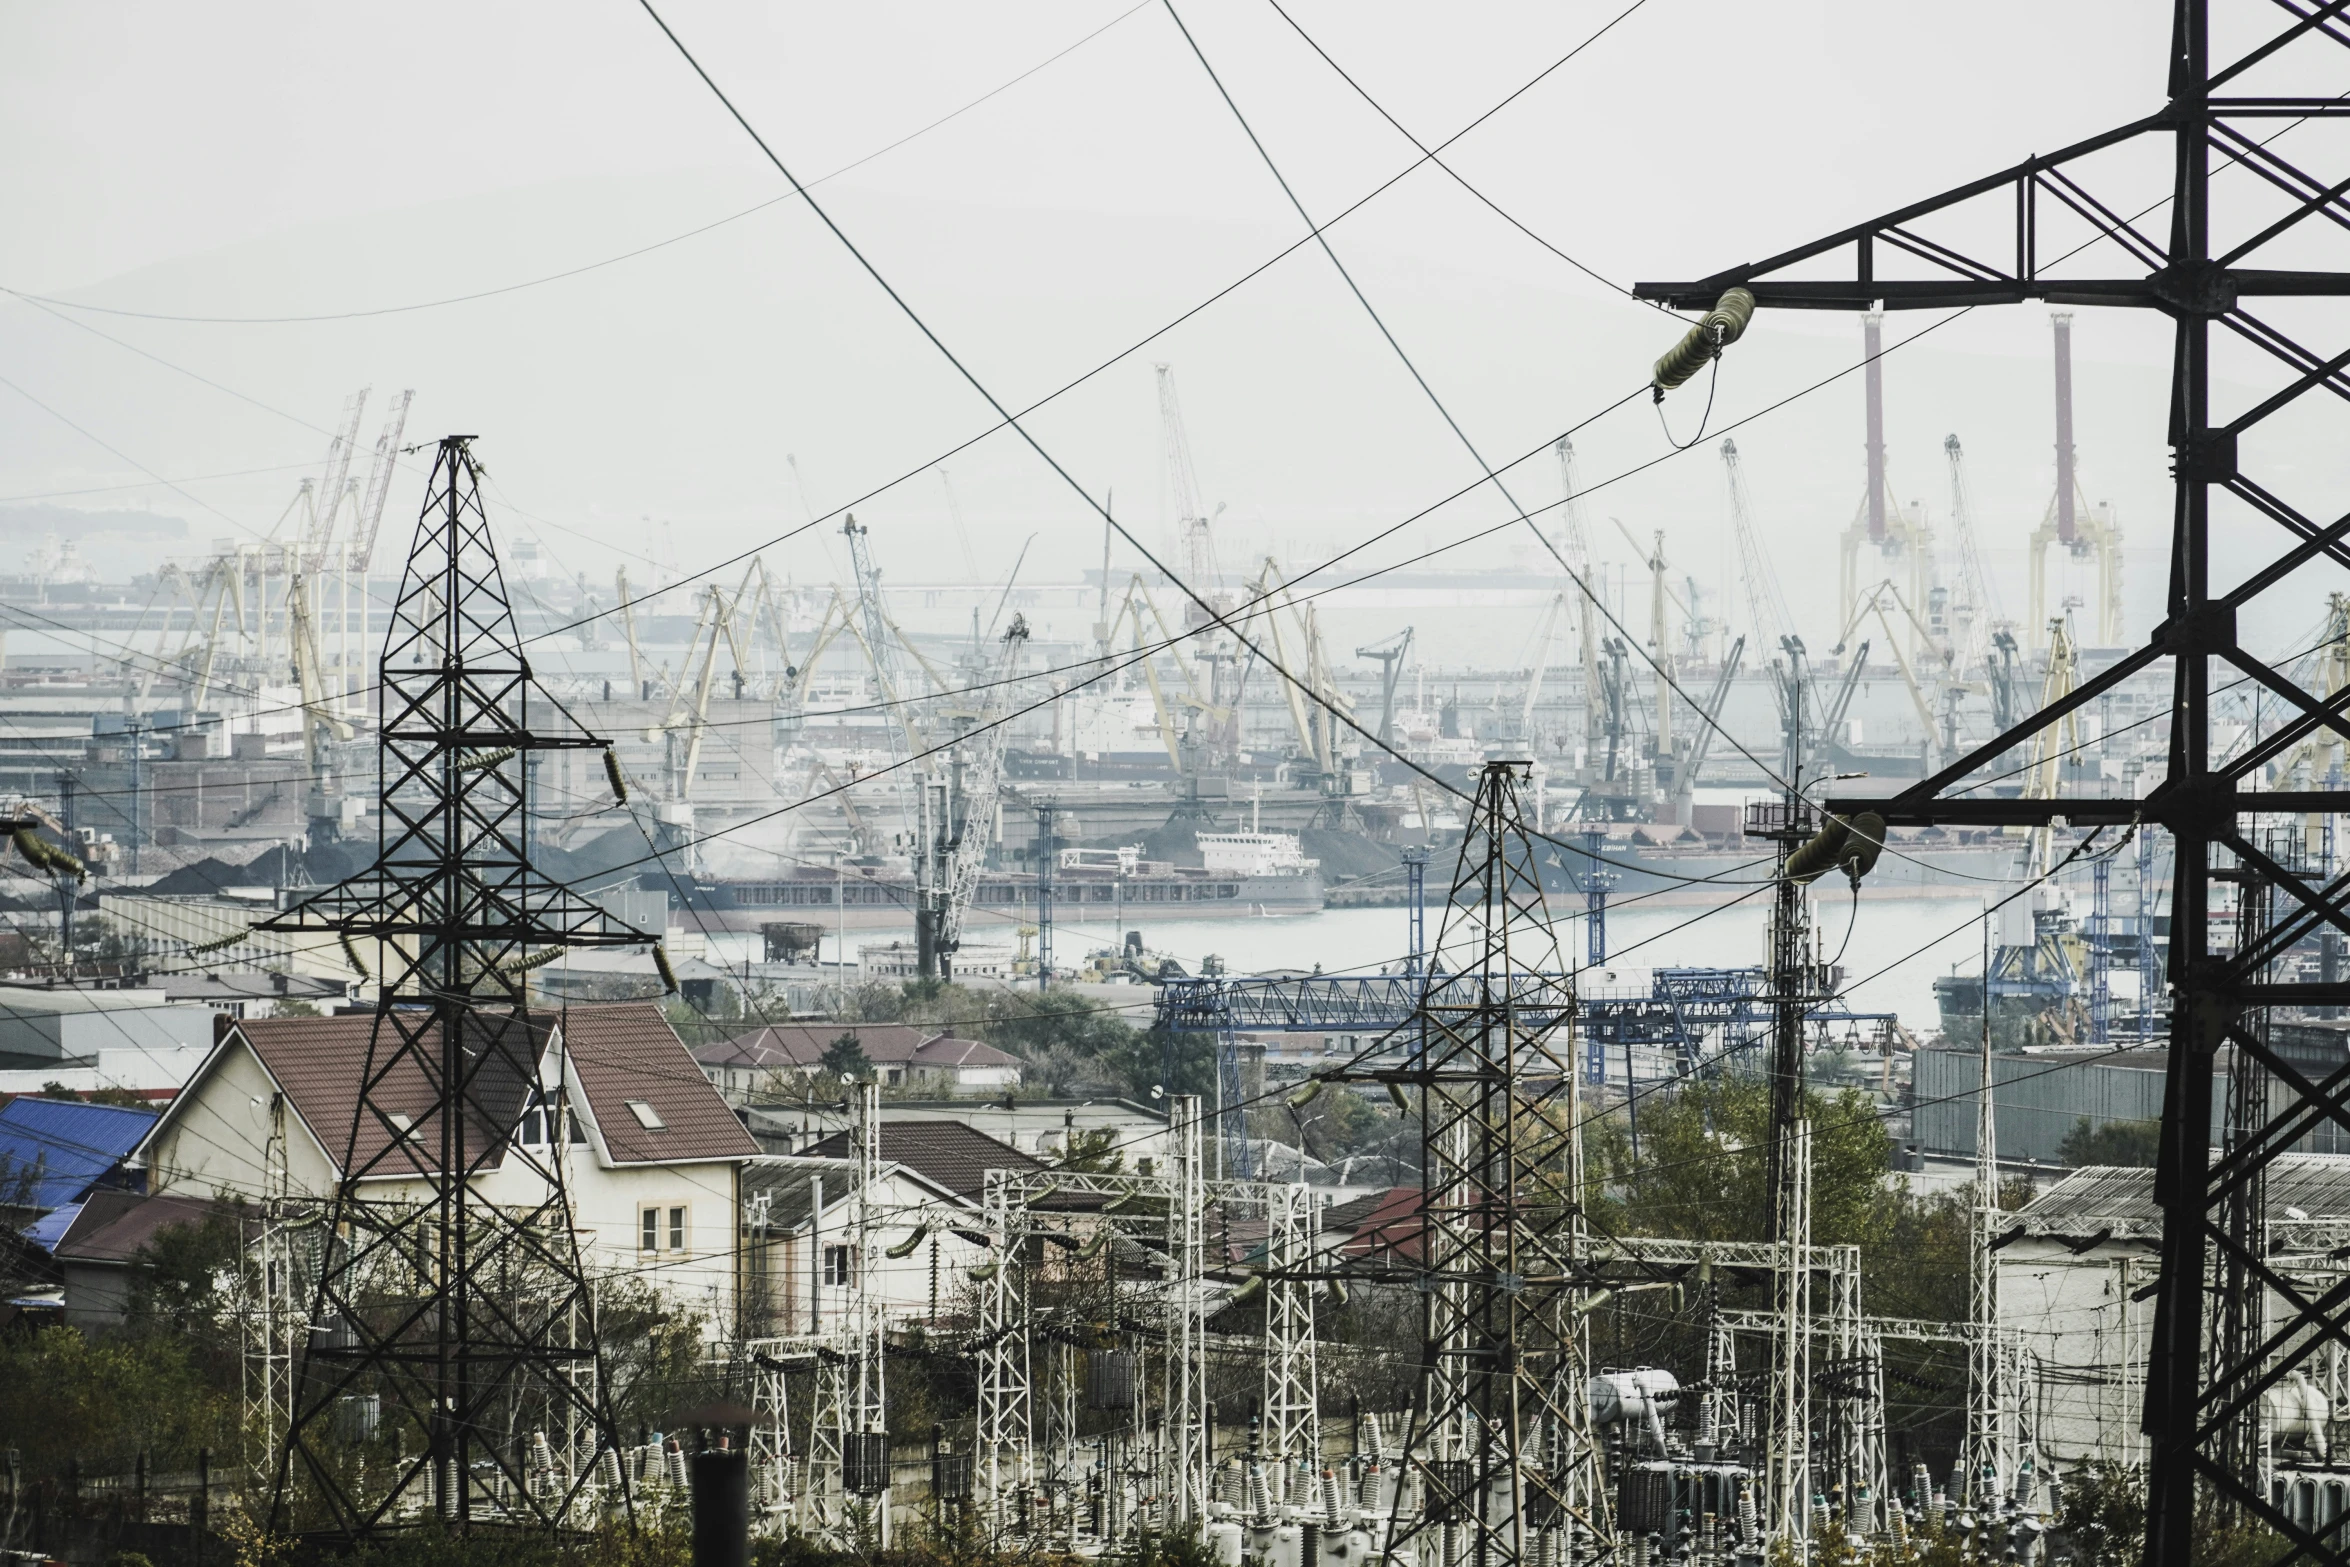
1501,1448
2240,75
452,1347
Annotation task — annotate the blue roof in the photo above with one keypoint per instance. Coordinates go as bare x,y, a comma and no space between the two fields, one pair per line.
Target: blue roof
73,1144
46,1231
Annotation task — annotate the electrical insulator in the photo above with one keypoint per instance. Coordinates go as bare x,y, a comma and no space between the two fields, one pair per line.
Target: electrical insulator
1862,846
1722,326
1818,856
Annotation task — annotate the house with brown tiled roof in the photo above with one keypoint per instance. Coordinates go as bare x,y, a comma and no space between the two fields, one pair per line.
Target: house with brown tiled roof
651,1155
949,1154
778,1057
1383,1226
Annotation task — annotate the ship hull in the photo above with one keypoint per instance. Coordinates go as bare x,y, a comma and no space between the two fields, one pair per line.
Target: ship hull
866,902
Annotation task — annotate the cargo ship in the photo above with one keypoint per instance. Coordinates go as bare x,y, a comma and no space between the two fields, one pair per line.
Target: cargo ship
1243,874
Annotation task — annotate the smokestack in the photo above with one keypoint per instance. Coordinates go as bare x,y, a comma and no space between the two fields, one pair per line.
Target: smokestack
2062,320
1872,328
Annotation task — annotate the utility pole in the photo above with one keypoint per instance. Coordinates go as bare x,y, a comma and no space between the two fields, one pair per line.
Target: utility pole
1595,885
1789,821
1989,1453
67,891
1047,851
134,734
1415,876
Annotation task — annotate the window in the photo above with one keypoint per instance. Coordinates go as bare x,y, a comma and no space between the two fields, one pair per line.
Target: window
534,1127
836,1265
646,1116
651,1230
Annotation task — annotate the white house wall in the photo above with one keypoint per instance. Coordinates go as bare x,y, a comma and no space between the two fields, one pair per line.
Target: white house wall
801,1302
215,1141
213,1144
2085,1342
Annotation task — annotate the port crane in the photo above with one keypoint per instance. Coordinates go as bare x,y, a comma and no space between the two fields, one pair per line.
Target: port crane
1574,543
1391,653
1685,781
2085,532
959,828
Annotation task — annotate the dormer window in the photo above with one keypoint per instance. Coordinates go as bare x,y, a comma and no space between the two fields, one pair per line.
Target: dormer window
544,1118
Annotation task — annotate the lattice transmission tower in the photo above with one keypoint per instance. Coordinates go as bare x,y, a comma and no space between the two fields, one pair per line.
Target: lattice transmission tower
1502,1447
451,1369
2246,252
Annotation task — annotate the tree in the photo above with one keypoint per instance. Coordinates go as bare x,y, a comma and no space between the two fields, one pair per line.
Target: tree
1704,1152
182,1279
2116,1142
845,1057
1092,1153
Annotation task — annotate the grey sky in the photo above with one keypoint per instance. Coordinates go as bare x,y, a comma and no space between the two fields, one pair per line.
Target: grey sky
288,159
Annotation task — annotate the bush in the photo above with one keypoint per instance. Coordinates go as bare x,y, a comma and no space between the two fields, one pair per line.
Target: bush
102,1400
2130,1143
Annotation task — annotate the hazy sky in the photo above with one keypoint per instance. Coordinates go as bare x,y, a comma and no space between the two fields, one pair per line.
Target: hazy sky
294,159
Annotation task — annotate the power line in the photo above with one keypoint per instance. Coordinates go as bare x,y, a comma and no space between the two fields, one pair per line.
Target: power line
1455,174
1009,420
592,266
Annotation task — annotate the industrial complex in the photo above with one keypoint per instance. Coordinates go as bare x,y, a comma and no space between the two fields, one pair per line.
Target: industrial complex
1148,1053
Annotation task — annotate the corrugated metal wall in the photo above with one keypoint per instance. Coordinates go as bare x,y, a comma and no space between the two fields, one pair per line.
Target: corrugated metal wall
2038,1100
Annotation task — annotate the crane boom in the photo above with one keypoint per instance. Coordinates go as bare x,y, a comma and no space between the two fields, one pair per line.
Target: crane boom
982,750
1685,784
318,538
1978,598
1577,549
1838,708
379,482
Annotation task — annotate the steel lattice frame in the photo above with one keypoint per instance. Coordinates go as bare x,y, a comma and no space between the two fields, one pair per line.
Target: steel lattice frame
469,1322
2297,69
1501,1435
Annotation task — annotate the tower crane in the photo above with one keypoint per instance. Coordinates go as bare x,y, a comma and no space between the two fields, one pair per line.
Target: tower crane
958,844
